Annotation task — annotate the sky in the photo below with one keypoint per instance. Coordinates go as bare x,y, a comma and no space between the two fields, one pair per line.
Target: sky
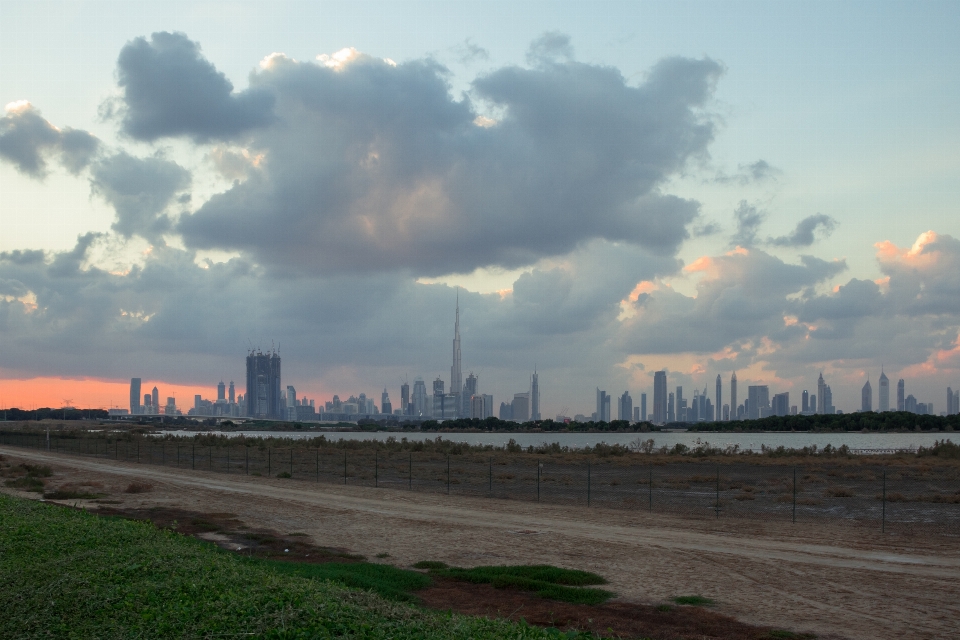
611,189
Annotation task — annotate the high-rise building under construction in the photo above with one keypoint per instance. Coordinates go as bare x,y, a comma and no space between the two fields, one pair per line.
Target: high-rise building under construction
263,386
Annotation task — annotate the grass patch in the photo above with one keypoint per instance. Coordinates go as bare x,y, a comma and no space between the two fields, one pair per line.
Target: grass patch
554,583
284,474
27,483
779,634
432,565
390,582
664,608
694,601
70,573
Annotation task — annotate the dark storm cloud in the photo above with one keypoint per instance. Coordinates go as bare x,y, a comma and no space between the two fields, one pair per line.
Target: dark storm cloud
140,190
374,166
170,89
27,140
807,230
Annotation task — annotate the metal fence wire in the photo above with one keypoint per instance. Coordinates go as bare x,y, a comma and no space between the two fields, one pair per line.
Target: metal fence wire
915,497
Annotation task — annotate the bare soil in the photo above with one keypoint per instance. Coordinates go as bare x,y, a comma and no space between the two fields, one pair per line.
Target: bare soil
832,580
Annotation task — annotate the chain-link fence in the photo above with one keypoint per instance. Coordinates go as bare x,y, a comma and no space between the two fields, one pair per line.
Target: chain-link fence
904,496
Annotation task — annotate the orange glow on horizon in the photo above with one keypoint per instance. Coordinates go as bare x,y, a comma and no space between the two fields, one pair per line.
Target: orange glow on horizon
91,393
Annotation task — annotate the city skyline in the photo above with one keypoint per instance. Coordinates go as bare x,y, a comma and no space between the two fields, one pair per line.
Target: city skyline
794,212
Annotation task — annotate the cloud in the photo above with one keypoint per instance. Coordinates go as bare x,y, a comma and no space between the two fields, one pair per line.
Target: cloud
552,46
170,89
373,166
140,190
27,139
742,297
755,172
748,219
470,51
804,234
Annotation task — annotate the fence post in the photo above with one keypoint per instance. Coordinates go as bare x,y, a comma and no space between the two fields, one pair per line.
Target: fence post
318,464
291,462
269,462
178,455
344,466
883,511
491,475
538,481
588,483
448,474
138,452
651,488
193,456
246,460
376,469
410,472
228,458
794,495
210,457
163,454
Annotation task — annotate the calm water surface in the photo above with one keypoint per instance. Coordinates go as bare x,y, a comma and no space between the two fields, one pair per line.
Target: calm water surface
746,441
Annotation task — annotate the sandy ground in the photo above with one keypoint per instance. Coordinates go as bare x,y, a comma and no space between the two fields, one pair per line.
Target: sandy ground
834,581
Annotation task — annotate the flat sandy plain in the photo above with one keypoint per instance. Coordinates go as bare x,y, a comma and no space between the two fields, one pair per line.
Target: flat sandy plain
835,581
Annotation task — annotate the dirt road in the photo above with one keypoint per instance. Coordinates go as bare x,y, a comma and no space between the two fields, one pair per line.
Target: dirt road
834,581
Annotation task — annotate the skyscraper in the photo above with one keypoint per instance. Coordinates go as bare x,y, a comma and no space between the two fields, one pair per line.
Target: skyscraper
385,405
900,398
866,397
419,401
456,379
671,409
221,391
733,395
719,390
884,392
156,400
438,398
134,396
758,397
535,396
263,386
625,407
405,398
470,389
821,398
603,406
660,397
233,393
805,401
643,407
781,404
677,412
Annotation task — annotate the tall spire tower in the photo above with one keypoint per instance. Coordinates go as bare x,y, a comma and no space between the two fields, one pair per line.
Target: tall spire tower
456,378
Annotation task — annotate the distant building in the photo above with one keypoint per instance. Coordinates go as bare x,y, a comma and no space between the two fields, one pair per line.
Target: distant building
781,404
678,411
719,392
476,407
625,407
233,393
535,396
456,380
910,404
821,396
660,397
733,395
866,397
171,408
671,408
470,389
884,392
805,401
385,405
506,411
405,398
135,396
487,405
828,400
901,401
419,401
603,406
521,407
643,407
263,386
438,398
758,397
155,400
221,391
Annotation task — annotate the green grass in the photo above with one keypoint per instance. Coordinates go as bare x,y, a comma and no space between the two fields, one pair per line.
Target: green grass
566,585
71,574
27,483
696,601
389,582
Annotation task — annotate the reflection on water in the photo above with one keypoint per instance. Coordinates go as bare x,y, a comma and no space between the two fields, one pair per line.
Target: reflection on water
746,441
